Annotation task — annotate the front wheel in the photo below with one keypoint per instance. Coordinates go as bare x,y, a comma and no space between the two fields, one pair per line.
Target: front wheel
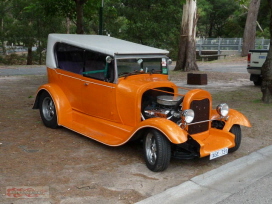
236,130
48,111
157,151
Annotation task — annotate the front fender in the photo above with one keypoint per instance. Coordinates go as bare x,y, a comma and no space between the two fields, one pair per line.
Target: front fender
170,129
62,105
235,117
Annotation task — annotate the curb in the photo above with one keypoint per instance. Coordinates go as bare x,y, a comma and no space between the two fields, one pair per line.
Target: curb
218,184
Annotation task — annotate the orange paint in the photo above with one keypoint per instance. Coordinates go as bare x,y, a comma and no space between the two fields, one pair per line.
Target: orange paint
111,112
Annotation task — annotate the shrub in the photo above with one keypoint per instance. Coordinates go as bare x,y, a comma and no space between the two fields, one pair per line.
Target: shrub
20,59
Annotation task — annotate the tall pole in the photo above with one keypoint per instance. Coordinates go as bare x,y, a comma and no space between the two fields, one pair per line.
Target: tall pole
101,18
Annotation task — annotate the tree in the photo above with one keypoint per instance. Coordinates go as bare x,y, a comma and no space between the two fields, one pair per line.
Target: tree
75,12
215,17
3,12
60,9
30,26
187,49
79,15
6,21
266,87
23,29
250,27
157,23
263,19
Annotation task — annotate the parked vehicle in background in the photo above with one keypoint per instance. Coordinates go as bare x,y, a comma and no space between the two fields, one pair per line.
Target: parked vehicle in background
255,61
114,91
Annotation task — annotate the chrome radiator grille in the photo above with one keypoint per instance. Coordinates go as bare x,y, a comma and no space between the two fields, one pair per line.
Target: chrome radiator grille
202,112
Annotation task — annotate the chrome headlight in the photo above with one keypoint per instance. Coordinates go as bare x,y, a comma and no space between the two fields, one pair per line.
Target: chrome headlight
223,109
188,115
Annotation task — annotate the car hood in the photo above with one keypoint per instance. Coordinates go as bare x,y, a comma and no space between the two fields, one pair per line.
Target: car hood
144,80
129,93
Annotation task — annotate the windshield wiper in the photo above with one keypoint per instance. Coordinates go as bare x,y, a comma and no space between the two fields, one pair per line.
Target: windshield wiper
155,71
126,74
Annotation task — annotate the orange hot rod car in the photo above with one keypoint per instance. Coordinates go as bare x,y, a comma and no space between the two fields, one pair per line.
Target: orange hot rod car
114,91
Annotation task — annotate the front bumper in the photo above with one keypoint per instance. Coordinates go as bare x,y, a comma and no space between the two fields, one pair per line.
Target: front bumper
216,139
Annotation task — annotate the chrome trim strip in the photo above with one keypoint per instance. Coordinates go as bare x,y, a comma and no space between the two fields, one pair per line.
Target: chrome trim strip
200,122
83,80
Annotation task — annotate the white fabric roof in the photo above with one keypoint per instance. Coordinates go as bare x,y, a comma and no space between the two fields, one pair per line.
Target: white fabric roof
99,43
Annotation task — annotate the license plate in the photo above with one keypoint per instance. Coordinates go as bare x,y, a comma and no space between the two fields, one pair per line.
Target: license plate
218,153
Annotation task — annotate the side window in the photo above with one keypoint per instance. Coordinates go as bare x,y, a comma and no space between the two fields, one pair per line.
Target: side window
69,58
96,67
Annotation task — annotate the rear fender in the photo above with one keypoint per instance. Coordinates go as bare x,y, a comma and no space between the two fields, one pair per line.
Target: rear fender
62,105
171,130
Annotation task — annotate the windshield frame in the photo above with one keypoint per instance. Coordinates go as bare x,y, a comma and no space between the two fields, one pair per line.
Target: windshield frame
117,57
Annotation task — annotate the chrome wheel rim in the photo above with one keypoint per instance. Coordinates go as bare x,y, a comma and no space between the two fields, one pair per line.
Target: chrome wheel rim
48,108
151,149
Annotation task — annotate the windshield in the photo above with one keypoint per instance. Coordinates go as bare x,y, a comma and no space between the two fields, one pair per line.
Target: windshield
141,65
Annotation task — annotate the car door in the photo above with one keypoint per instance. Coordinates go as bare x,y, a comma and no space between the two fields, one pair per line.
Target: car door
70,67
98,98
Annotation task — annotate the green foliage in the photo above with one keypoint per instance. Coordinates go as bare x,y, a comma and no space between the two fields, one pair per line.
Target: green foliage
149,22
13,59
243,2
264,20
153,23
29,25
59,8
234,26
20,59
217,18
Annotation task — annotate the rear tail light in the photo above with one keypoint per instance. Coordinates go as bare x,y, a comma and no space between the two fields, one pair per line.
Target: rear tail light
248,59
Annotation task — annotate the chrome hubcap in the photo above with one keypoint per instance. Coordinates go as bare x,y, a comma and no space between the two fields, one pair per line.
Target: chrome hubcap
48,108
151,149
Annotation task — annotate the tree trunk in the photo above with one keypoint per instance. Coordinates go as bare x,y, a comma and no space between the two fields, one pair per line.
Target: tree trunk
2,40
68,25
267,68
4,51
40,53
187,50
79,14
250,27
29,55
210,33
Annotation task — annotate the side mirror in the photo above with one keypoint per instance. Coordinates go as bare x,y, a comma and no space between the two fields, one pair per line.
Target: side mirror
108,59
139,61
169,61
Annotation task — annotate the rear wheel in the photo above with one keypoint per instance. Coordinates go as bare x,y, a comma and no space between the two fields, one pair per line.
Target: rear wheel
258,82
157,151
257,79
48,111
236,130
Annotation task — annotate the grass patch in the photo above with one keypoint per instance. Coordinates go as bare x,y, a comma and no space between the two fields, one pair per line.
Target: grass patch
247,101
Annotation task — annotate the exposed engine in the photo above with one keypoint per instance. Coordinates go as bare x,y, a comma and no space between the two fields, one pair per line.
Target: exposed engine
164,106
156,105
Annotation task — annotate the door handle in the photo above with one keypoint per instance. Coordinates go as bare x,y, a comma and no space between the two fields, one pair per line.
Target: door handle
86,84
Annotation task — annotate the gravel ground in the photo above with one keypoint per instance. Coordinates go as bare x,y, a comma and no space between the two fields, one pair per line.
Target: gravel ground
79,170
